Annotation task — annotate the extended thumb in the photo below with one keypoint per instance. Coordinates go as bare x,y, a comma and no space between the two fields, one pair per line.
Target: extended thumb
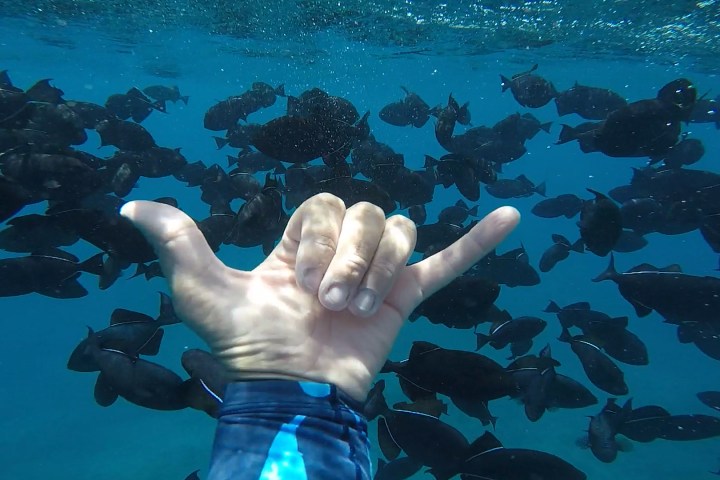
178,243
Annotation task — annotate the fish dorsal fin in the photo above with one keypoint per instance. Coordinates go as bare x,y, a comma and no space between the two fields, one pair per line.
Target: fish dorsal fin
487,441
578,306
121,316
421,348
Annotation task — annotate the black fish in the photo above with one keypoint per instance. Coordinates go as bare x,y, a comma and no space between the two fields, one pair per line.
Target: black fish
600,369
412,110
138,381
165,94
354,190
437,236
33,233
398,469
133,104
124,135
460,304
451,372
529,90
592,103
687,152
424,439
646,127
558,251
512,268
518,187
517,332
457,214
261,220
567,205
600,224
710,398
208,379
495,462
678,297
54,274
130,332
603,428
417,214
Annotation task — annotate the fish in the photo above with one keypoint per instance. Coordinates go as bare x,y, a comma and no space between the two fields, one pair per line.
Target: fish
600,224
398,469
676,296
457,214
567,205
132,104
591,103
528,89
411,110
512,268
124,135
165,93
604,427
208,379
138,381
460,304
711,398
518,187
53,273
558,251
645,127
425,439
132,333
493,461
517,332
599,368
450,372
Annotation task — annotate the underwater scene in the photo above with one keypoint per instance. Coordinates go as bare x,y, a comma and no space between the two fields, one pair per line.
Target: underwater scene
587,345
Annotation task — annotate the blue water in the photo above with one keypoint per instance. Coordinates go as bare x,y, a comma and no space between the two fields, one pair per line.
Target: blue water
51,426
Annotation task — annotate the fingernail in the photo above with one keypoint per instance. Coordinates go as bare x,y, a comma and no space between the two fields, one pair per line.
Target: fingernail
365,300
311,278
337,295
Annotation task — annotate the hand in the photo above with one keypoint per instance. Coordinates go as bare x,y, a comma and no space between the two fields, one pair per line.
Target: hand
307,312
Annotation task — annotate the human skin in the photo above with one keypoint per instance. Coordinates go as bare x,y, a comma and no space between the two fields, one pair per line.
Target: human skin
326,305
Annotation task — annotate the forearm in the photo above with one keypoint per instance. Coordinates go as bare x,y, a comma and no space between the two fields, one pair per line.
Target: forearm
289,430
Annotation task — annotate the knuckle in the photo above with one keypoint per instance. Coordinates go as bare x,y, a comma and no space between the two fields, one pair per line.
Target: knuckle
382,271
356,265
369,210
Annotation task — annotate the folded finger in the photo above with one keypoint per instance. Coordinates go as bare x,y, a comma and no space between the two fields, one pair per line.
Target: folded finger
311,237
392,254
362,228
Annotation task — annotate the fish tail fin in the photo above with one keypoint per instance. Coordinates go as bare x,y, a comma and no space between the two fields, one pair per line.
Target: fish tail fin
565,335
578,246
552,308
567,134
540,189
167,311
482,340
280,90
93,264
376,405
221,142
610,273
473,212
504,82
185,98
545,127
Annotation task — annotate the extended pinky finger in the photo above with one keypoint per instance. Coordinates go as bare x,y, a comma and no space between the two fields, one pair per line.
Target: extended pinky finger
392,254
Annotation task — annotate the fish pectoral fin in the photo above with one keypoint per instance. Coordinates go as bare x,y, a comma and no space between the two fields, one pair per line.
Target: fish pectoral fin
105,394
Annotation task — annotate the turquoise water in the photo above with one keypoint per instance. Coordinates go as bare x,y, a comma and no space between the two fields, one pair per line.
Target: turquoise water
51,426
